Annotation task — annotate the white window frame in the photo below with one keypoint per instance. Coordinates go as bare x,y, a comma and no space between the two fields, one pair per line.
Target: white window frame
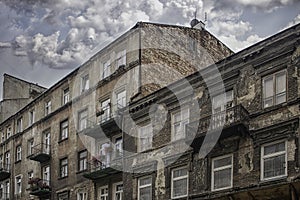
121,58
7,159
179,178
19,153
20,125
106,69
85,83
63,168
66,95
83,193
273,155
30,145
115,192
82,116
8,131
213,169
121,99
30,175
274,87
46,174
181,123
104,195
48,107
228,97
144,186
64,129
18,184
106,108
144,134
31,117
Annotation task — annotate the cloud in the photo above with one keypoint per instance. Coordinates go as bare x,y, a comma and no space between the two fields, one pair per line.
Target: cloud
295,21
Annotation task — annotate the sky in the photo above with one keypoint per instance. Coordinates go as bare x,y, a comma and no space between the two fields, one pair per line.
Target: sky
42,41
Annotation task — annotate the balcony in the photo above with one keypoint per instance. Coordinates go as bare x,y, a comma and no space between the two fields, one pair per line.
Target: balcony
4,171
102,166
40,188
233,121
105,122
41,153
4,196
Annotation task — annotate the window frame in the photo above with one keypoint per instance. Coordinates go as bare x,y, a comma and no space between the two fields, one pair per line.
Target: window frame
63,167
141,137
18,153
64,130
81,191
173,123
145,186
115,190
18,185
121,58
85,83
273,155
65,95
220,169
82,159
274,87
48,107
106,69
19,125
106,195
179,178
31,119
80,119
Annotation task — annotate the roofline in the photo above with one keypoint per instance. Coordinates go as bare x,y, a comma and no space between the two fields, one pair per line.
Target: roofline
17,78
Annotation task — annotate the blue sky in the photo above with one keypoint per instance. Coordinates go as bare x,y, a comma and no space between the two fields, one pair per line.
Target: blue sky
42,42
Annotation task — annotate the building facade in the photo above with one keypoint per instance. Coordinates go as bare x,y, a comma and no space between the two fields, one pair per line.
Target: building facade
148,117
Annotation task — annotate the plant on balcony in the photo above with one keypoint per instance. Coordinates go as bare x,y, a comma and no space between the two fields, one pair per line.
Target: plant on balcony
37,183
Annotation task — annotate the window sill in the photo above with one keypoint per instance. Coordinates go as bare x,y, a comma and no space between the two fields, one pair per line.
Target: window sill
272,180
18,161
61,178
61,141
82,171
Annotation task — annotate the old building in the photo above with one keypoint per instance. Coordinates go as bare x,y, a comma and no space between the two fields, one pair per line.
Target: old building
163,112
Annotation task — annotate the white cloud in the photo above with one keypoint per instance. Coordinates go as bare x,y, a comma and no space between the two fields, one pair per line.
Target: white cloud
295,21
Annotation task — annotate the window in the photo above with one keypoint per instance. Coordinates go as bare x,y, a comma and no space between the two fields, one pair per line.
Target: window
85,83
63,196
7,188
19,125
7,160
63,167
179,120
30,146
222,168
106,69
118,191
145,138
31,117
47,107
118,142
66,96
121,99
3,137
46,142
19,153
145,188
103,193
46,174
30,175
121,58
218,101
274,89
273,161
82,120
18,184
64,129
179,184
8,132
82,160
81,195
105,108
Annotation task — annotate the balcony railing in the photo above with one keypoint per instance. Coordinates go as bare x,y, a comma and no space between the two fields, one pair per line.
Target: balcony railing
39,187
41,153
105,121
233,116
4,171
101,166
4,196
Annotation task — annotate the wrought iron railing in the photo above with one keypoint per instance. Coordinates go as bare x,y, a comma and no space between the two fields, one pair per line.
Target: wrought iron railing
41,148
37,184
222,119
